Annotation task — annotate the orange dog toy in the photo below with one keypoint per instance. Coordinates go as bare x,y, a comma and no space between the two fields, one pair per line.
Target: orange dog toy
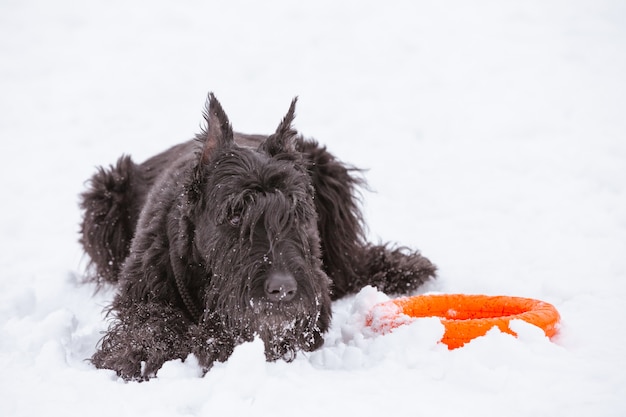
464,317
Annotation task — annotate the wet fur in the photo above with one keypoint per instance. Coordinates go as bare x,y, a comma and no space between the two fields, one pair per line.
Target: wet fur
190,236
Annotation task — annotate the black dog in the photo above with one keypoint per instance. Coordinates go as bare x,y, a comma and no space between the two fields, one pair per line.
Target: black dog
229,236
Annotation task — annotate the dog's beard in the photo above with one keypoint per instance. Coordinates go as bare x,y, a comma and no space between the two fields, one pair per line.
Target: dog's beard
285,328
242,311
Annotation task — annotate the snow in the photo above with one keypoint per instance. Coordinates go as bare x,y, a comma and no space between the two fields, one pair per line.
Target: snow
495,138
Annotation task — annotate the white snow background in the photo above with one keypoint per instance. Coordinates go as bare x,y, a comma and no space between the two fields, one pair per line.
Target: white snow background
495,137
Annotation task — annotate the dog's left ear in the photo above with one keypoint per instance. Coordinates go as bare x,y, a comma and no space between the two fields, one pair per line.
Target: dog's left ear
218,131
282,141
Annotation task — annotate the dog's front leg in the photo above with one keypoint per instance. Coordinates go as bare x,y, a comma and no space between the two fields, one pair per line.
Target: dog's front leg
142,338
210,343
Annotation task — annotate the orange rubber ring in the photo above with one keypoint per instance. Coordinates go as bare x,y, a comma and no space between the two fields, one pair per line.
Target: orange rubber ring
464,317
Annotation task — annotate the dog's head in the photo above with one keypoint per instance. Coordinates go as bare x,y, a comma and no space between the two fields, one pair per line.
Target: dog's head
256,232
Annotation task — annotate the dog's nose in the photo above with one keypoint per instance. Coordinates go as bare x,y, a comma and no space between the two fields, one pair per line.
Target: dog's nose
280,286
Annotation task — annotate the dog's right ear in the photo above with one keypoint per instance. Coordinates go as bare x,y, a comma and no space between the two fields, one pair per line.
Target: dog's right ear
218,132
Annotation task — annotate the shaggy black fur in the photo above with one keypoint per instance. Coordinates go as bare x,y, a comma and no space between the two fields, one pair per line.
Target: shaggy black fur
226,237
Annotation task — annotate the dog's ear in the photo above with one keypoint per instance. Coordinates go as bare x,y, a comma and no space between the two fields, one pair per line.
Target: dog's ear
282,141
218,132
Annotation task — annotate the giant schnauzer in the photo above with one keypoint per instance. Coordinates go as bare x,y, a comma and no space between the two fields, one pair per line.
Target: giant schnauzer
227,237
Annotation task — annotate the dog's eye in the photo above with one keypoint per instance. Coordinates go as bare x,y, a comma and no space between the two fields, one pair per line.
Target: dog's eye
234,219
